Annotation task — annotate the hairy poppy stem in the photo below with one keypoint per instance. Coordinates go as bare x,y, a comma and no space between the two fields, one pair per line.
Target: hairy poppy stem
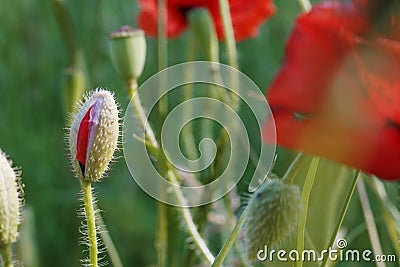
90,221
5,252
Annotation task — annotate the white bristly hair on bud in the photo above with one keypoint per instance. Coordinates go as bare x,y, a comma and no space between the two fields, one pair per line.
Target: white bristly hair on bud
102,136
11,201
273,214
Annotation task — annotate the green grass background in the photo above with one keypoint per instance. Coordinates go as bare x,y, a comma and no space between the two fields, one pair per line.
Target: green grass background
32,122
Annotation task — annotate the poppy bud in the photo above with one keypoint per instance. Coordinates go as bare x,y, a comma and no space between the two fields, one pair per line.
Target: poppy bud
10,202
128,52
93,135
273,215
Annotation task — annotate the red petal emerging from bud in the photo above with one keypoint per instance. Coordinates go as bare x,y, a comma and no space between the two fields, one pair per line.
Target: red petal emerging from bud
83,139
93,135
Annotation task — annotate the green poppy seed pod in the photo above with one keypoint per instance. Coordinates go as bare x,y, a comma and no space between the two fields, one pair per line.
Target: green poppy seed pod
273,214
128,52
93,135
10,202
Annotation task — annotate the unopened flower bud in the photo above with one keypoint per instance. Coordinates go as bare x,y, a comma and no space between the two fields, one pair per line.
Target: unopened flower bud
10,202
128,52
273,214
93,135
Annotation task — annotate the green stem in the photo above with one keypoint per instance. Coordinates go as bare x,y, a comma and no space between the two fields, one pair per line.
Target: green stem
107,241
172,176
308,184
390,212
231,49
162,224
228,33
91,222
5,252
132,87
162,51
161,234
76,71
294,168
370,221
219,260
342,213
187,217
188,140
305,5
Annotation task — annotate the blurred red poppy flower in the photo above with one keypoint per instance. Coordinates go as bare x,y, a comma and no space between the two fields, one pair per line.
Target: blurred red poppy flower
338,92
246,17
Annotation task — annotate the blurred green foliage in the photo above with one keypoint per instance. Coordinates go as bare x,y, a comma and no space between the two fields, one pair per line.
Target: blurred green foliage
33,59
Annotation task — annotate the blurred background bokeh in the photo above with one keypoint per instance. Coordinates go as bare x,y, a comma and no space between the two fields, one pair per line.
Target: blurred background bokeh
33,62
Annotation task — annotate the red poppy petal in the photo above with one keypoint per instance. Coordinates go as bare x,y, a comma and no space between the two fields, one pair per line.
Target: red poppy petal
148,19
246,18
83,138
379,67
348,87
316,48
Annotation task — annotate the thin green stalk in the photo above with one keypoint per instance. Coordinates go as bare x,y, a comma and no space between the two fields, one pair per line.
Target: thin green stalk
228,33
187,217
65,25
5,252
162,212
294,168
305,195
76,71
91,222
108,243
162,223
173,178
370,221
132,87
161,234
162,50
346,204
219,260
96,38
187,133
231,49
305,5
391,214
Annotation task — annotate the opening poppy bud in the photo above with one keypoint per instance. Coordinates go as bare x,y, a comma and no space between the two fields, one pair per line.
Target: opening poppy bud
204,31
10,202
93,135
128,52
273,214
